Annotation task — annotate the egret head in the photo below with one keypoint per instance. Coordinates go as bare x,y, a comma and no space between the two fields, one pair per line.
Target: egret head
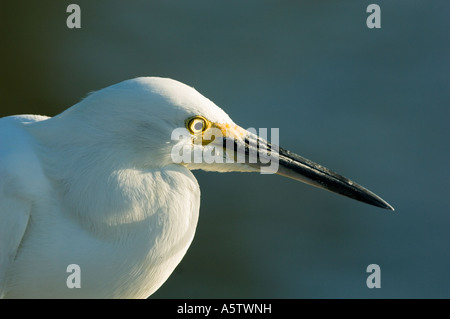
161,122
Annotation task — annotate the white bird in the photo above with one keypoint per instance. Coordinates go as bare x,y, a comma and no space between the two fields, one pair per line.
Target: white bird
97,186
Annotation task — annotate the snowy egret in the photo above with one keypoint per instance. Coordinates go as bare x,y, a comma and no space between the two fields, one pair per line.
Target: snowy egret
96,186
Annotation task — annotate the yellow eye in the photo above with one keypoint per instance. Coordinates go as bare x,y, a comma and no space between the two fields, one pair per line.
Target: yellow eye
197,125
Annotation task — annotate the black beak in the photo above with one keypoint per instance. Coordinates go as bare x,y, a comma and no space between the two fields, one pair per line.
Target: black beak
260,154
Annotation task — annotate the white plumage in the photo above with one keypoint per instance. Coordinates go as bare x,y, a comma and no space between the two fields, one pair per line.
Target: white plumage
96,186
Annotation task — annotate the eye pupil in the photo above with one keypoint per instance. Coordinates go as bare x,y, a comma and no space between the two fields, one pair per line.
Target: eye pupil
198,126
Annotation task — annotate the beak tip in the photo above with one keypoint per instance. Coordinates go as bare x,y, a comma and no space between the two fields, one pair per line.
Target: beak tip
373,199
382,204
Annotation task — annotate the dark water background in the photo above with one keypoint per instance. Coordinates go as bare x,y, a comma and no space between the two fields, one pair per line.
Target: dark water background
371,104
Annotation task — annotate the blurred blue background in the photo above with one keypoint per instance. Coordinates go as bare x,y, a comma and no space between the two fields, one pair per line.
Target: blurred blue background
371,104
